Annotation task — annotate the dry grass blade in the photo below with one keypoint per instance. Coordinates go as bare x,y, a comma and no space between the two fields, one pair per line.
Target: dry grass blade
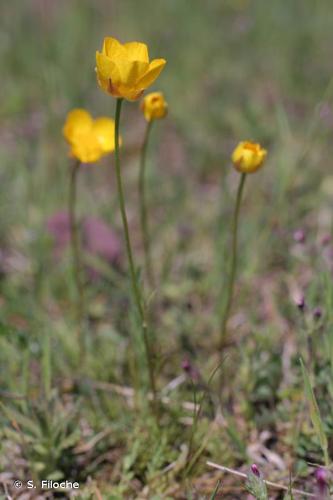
268,483
129,393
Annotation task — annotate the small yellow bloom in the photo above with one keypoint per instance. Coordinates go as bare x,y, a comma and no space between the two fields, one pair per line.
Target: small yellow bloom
78,122
248,157
86,148
89,139
154,106
103,129
124,70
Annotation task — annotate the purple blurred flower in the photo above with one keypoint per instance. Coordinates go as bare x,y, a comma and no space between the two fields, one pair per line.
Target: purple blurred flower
321,478
317,312
325,239
255,470
299,236
98,238
300,302
190,370
101,240
59,227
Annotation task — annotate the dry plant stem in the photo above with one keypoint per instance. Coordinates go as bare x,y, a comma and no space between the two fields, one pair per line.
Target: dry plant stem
76,251
129,394
268,483
136,290
143,207
233,265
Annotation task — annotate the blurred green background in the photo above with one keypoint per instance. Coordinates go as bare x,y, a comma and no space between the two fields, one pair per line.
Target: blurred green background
236,69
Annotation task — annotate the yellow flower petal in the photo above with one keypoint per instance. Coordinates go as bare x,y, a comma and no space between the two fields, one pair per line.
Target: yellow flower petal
129,93
155,68
87,148
131,72
103,129
107,69
137,51
108,86
113,49
78,122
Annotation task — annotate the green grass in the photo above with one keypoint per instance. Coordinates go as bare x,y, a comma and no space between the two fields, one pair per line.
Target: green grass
236,70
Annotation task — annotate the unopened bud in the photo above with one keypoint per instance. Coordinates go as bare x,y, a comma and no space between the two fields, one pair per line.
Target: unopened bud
255,470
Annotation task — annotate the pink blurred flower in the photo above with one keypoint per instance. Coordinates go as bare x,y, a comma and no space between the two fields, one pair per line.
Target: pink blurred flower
299,236
101,240
98,238
322,482
191,371
59,228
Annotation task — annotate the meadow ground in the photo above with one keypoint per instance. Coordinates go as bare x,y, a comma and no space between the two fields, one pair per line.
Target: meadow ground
236,69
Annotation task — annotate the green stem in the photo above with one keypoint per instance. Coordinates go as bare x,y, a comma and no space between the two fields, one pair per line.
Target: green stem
143,207
135,287
47,365
233,265
76,251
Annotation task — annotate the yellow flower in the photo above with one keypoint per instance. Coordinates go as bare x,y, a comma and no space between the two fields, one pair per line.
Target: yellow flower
89,139
86,148
124,70
248,157
154,106
78,122
103,129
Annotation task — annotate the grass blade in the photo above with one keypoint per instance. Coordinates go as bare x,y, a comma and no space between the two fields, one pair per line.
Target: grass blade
315,413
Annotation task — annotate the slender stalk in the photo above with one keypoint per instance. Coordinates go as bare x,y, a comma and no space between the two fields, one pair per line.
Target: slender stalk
76,251
233,265
143,207
46,365
136,290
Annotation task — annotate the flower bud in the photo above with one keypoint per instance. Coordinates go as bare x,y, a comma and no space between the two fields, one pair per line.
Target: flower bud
248,157
191,371
255,470
154,106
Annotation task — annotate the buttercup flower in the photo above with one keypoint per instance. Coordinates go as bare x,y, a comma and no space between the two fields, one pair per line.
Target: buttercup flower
78,123
103,129
154,106
89,139
87,149
248,157
124,70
